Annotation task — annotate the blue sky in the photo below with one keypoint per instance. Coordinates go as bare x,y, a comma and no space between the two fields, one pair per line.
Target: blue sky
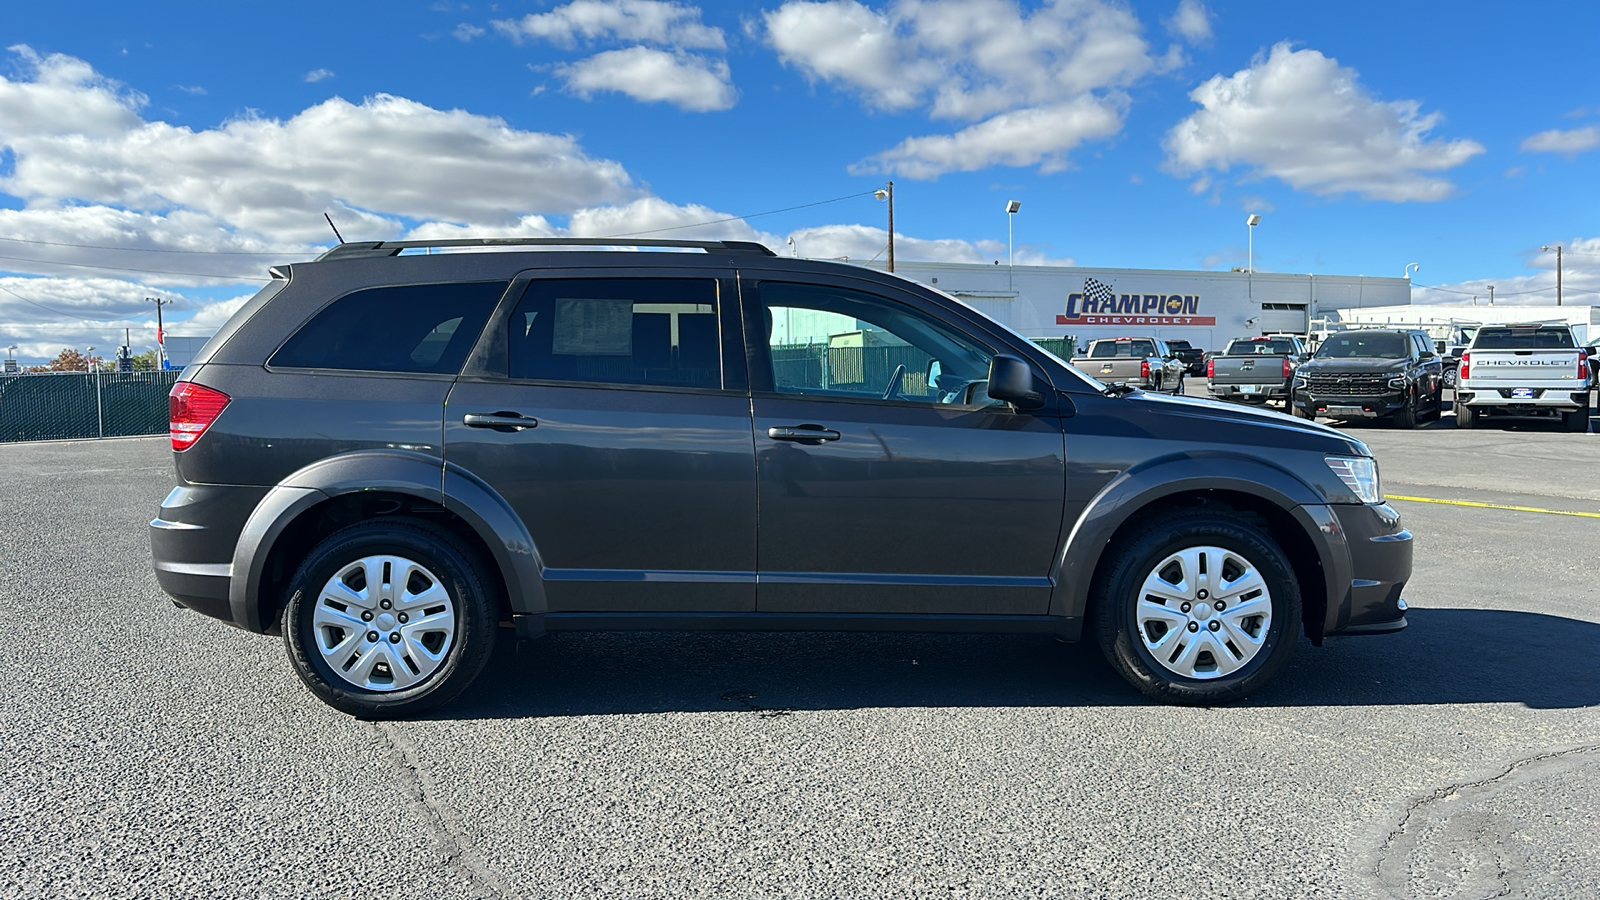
175,150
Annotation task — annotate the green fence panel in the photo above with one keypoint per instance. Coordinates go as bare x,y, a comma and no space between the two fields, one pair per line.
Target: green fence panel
75,406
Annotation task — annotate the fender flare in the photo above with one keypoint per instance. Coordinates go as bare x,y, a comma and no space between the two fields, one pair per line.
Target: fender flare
1134,490
391,471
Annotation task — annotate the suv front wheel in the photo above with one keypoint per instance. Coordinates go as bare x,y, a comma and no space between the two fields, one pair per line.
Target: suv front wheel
388,618
1198,608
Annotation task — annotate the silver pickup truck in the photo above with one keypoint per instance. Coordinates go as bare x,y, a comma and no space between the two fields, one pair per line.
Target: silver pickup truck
1255,370
1524,370
1139,361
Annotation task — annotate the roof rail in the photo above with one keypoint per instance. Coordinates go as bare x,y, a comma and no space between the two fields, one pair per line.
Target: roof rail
367,249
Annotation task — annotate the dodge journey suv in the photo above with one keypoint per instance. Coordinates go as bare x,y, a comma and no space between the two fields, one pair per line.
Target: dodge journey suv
387,454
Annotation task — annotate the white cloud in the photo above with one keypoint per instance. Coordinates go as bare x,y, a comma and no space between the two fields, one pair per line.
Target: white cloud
1192,22
1569,143
648,21
1580,281
195,90
180,247
1035,136
466,31
687,81
317,75
337,157
972,61
1300,117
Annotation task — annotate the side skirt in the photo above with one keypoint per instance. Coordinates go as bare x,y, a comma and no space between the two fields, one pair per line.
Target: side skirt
535,625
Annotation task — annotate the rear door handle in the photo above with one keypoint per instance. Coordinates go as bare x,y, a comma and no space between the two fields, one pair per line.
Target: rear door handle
808,434
500,421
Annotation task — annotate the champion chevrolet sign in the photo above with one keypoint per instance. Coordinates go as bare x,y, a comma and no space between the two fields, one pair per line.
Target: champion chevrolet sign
1135,309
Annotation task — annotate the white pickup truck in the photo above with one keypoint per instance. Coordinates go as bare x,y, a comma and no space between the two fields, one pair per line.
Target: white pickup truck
1524,370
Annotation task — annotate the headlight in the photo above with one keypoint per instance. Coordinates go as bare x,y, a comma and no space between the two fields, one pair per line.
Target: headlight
1300,381
1360,475
1399,382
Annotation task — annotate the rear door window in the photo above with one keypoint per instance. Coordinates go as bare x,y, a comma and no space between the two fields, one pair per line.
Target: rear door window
416,329
636,331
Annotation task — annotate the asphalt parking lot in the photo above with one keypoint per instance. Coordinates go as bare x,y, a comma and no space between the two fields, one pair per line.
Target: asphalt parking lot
149,751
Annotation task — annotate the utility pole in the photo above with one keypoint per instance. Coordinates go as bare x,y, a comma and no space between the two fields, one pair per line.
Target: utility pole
888,195
161,334
1558,271
1491,295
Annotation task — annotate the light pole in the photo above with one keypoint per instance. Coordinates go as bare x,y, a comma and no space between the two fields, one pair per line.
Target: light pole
888,194
1558,271
1012,208
1253,221
1411,267
1491,295
89,361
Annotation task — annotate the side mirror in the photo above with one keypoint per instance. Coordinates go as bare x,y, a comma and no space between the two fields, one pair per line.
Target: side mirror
1011,381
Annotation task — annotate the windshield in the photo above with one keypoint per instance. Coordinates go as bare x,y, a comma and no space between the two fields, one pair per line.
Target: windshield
1259,347
1112,349
1524,339
1359,345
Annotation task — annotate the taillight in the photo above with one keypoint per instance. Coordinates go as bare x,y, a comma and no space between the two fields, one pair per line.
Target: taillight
193,408
1144,369
1583,366
1211,368
1466,365
1287,369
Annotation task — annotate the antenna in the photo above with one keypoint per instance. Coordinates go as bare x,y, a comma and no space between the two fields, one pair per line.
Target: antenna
334,227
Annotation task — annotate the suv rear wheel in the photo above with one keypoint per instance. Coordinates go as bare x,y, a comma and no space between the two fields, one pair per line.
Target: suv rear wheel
388,618
1197,609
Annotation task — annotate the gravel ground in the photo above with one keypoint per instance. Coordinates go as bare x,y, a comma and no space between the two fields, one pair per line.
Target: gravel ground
151,752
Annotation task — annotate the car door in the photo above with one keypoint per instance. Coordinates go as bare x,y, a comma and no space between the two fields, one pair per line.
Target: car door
888,482
612,415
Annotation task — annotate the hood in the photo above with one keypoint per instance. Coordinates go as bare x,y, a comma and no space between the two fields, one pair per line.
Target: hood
1361,364
1247,420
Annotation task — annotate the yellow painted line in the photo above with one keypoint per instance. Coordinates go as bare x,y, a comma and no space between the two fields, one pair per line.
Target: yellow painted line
1531,509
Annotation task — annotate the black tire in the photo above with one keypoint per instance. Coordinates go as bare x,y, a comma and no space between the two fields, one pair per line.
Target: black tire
1466,416
1576,422
455,568
1407,416
1437,411
1295,410
1117,591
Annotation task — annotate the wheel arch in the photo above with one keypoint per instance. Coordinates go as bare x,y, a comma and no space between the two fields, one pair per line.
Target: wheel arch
332,493
1285,508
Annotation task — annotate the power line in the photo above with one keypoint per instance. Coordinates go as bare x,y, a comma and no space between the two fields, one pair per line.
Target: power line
145,249
739,218
49,262
70,315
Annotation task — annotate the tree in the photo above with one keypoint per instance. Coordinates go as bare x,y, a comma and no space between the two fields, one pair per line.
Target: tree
69,361
147,361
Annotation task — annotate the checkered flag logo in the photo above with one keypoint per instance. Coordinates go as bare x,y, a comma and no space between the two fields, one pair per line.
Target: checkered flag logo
1099,293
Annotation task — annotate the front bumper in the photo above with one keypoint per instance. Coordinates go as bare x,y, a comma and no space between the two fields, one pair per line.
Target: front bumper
192,541
1380,562
1338,406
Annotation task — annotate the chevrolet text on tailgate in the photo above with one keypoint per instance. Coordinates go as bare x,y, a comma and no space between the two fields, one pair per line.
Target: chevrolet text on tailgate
387,454
1524,370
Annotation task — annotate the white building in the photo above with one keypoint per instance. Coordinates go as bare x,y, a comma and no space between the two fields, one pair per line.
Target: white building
1585,320
1208,309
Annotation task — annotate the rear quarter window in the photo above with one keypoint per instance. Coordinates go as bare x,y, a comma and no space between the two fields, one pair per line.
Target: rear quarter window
415,329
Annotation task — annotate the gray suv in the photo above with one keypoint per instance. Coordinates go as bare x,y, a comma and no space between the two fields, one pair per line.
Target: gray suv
394,450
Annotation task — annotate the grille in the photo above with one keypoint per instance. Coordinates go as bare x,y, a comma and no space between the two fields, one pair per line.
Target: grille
1348,385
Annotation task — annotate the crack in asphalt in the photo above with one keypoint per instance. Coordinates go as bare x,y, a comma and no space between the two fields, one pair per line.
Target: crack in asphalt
453,843
1395,884
747,699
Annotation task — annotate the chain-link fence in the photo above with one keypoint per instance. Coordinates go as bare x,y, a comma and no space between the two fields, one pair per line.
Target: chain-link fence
75,405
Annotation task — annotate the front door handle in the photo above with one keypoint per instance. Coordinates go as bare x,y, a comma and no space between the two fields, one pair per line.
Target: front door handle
500,421
805,434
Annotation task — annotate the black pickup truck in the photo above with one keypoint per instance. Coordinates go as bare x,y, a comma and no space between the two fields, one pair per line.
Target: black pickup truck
1194,358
